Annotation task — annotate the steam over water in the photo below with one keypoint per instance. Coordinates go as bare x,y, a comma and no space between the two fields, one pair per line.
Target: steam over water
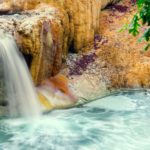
19,89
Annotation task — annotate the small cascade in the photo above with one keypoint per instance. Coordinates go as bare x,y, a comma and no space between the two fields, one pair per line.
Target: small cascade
19,90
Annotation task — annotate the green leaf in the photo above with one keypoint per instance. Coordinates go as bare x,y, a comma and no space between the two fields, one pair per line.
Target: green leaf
125,27
143,15
134,26
147,34
147,47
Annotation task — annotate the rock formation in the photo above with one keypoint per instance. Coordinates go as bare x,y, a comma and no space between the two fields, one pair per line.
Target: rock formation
121,61
46,31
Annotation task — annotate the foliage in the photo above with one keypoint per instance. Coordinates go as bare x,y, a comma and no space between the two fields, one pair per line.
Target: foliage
141,18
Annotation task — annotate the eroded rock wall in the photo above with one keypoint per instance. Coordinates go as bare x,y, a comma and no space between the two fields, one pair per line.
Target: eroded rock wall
42,35
47,30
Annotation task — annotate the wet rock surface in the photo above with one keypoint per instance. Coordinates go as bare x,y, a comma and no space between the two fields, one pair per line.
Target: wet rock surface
45,31
40,35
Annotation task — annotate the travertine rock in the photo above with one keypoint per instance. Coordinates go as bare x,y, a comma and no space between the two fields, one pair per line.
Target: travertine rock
45,32
121,61
42,36
83,16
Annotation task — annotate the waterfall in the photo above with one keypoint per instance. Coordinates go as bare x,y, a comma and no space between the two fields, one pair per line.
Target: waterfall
19,90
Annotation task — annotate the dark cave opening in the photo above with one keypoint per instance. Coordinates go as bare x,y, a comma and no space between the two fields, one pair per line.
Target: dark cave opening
28,58
71,48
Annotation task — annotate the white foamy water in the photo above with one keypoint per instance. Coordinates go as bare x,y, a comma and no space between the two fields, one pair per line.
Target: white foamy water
19,89
91,127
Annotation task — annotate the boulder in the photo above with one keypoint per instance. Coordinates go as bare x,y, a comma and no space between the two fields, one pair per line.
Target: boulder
56,93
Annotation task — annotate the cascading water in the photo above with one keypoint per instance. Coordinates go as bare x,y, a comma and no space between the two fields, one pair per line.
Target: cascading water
19,89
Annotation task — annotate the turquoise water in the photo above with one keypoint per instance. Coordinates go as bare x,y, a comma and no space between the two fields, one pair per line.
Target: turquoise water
116,122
